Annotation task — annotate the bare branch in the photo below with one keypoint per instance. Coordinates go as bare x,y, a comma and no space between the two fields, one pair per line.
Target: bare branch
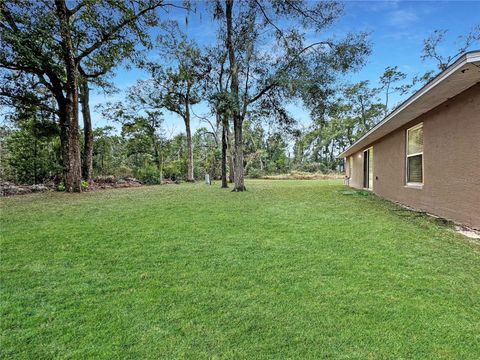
267,19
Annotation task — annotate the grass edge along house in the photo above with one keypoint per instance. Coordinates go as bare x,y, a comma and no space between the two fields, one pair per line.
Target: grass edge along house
426,153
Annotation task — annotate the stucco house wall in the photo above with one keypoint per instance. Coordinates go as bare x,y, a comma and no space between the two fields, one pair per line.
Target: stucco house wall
356,172
451,184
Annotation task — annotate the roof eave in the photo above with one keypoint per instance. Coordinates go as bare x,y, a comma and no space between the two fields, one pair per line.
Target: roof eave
469,57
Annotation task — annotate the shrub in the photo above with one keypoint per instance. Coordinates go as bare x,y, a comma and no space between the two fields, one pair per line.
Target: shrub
175,169
123,171
149,175
255,173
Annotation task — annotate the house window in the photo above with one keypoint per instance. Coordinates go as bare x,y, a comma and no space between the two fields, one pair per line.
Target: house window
350,166
415,155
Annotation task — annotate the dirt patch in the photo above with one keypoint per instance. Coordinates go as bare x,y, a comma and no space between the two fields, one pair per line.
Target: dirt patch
465,231
10,189
98,183
110,182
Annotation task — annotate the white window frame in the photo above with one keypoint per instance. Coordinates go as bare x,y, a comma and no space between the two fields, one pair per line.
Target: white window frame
407,155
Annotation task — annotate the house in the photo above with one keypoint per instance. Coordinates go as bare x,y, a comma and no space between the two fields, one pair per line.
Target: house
426,153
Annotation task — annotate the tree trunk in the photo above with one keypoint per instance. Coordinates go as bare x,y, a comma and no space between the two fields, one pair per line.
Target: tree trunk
35,154
230,155
224,152
156,152
238,176
70,146
87,131
161,166
69,115
386,99
231,169
190,177
238,169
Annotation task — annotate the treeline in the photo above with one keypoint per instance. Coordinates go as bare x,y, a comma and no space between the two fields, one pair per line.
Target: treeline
49,63
29,157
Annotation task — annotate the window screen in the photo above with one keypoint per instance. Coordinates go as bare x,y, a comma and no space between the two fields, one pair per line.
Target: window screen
415,169
415,154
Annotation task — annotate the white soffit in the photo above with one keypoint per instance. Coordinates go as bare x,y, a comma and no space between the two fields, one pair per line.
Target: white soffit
460,76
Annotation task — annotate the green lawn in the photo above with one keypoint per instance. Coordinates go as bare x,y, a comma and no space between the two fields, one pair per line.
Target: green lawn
289,269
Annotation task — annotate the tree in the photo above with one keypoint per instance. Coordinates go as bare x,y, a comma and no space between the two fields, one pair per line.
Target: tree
217,98
337,125
31,150
207,152
180,86
147,127
87,130
388,80
54,44
142,123
33,132
268,79
219,101
364,105
432,50
109,155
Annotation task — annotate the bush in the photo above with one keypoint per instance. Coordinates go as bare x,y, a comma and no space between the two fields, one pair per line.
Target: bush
149,175
123,171
255,173
309,167
175,169
85,185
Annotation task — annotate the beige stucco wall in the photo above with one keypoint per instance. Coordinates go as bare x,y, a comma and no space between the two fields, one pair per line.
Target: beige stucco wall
356,173
451,186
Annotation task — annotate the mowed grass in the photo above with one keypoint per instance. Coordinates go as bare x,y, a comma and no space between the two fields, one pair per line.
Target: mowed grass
289,269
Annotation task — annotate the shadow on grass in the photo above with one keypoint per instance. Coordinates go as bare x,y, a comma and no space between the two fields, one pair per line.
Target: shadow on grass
419,217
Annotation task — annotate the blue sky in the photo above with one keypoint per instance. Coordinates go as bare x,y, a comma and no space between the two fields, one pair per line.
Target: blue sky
397,30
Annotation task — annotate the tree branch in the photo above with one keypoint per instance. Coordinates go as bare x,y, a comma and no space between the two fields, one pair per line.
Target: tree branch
26,99
267,18
75,9
93,75
8,16
274,83
109,35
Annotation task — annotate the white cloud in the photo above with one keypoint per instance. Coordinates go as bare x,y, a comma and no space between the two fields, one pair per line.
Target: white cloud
376,6
402,18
